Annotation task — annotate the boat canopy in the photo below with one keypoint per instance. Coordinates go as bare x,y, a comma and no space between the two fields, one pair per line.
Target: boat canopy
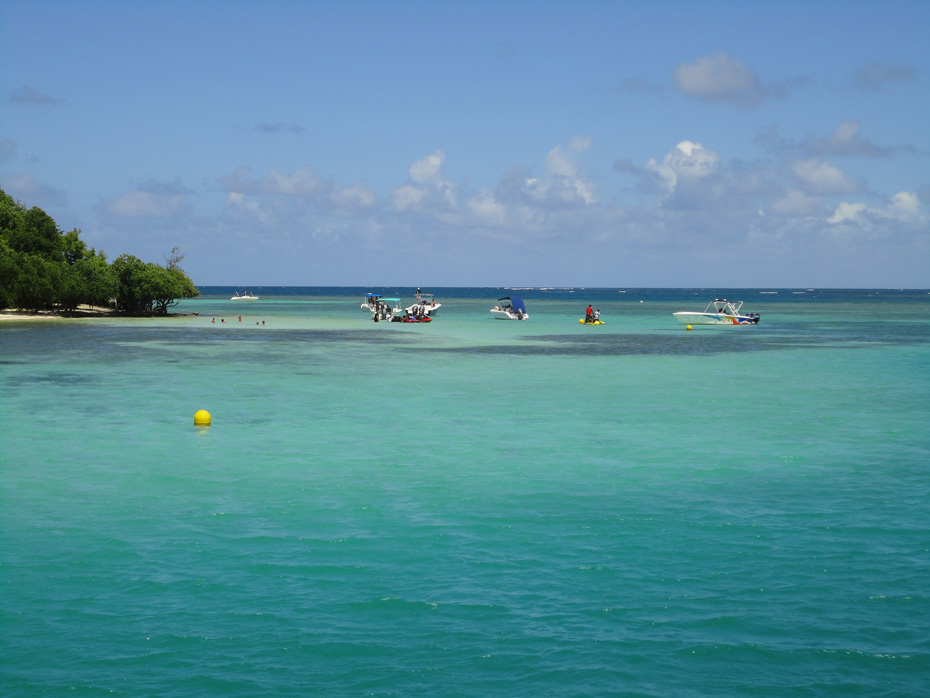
515,302
723,306
372,295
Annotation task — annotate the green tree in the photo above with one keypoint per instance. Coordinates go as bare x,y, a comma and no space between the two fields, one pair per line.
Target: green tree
180,286
11,215
73,247
149,288
128,271
99,281
42,268
38,234
9,273
38,282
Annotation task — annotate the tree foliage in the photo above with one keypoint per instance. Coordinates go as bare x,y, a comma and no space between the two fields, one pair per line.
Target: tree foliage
42,268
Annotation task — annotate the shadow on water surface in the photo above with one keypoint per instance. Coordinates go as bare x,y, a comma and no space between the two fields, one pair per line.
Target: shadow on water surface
708,341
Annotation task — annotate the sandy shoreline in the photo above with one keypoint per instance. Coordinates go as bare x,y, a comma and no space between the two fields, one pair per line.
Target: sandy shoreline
83,311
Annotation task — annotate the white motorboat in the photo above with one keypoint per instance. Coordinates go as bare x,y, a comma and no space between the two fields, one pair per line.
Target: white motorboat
719,312
381,305
371,301
425,304
247,296
510,308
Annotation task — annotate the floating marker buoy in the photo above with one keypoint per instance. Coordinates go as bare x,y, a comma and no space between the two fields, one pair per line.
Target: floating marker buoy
202,418
688,328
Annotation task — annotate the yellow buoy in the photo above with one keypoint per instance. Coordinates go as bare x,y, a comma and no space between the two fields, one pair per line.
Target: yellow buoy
202,418
688,327
581,321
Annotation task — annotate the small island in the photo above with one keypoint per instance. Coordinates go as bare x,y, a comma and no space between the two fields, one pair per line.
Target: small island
43,270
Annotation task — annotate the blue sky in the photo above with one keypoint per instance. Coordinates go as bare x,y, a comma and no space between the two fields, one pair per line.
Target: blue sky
617,144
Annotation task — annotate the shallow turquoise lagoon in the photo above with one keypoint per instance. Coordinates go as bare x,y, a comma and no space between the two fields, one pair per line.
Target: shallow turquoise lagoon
469,507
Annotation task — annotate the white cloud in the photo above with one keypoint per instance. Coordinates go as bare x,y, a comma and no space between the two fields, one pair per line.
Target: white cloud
520,199
152,199
249,208
487,210
550,210
565,181
26,188
846,140
138,203
427,188
847,212
560,163
408,197
904,207
358,196
428,170
686,160
303,182
797,203
579,144
847,132
719,78
822,178
296,192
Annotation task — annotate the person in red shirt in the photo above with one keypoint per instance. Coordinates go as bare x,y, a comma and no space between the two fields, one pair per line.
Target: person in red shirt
588,312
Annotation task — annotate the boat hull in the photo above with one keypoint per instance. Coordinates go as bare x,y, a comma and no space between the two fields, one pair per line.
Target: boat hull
687,318
504,315
420,309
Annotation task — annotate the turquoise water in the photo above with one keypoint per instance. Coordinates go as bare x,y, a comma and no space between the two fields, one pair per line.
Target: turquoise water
469,507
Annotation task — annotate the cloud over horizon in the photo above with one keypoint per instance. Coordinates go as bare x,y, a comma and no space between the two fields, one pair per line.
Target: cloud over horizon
721,78
694,195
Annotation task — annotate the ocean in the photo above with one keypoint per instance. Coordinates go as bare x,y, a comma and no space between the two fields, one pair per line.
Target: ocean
469,507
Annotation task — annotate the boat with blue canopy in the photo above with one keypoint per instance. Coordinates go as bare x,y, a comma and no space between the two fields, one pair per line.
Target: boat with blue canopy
510,308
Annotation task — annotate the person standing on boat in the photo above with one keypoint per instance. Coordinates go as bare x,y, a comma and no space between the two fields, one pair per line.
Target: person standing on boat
588,313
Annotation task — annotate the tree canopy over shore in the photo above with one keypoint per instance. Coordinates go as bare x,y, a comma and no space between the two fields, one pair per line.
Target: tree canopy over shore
42,268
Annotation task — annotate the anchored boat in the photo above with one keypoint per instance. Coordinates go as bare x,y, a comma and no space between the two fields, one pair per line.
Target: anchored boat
425,304
511,308
719,312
